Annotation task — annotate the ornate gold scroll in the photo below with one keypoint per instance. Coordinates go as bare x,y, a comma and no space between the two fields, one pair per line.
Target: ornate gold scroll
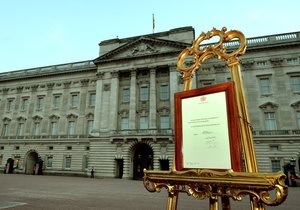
212,184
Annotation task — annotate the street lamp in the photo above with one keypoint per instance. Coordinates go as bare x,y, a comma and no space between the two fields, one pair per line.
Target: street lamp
293,161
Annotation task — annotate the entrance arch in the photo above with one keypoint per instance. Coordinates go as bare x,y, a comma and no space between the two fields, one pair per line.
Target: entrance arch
143,158
30,161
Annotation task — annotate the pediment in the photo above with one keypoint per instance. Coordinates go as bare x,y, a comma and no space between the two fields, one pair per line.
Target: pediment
142,46
296,104
269,105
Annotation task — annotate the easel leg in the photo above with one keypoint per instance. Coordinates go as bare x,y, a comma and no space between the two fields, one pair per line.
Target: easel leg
256,205
213,203
172,201
225,203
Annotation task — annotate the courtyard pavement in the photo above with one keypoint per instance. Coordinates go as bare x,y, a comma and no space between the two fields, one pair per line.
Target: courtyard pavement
19,191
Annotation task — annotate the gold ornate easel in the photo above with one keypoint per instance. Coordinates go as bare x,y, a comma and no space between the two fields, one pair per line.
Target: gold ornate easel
211,184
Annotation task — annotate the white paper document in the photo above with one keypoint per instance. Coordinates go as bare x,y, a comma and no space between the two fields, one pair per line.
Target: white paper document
205,135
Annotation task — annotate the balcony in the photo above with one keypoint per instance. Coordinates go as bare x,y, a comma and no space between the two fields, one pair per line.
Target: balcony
275,132
142,134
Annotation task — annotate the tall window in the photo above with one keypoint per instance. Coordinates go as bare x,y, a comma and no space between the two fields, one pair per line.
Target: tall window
86,162
143,122
53,128
49,162
90,125
74,100
265,86
68,162
20,129
9,105
5,130
144,93
270,121
40,101
295,82
36,129
71,127
92,99
165,122
125,95
276,166
164,92
56,102
25,104
124,123
298,119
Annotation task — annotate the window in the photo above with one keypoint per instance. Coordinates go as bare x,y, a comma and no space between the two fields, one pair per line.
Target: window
125,95
20,129
143,122
25,104
274,148
9,105
53,128
295,82
86,162
36,130
56,103
264,86
124,123
205,83
164,92
144,93
270,121
90,125
49,162
69,148
164,122
71,127
74,100
68,162
92,99
40,103
50,148
276,165
298,119
5,130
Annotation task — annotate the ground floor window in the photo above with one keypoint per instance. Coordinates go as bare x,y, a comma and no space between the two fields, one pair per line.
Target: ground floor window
276,166
164,165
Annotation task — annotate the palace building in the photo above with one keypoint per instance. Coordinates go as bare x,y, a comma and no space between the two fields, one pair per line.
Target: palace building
115,113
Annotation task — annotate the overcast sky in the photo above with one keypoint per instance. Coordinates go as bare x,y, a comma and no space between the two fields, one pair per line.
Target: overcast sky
36,33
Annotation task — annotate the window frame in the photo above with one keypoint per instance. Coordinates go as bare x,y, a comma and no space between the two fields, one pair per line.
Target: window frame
164,92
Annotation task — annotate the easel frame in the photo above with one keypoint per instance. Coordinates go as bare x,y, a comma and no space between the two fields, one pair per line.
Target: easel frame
212,184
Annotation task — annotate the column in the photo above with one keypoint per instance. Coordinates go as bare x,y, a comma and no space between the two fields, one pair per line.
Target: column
174,83
132,103
114,101
152,99
96,126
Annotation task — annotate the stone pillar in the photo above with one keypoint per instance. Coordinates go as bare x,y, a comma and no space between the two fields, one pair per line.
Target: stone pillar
114,101
152,99
96,127
174,84
132,103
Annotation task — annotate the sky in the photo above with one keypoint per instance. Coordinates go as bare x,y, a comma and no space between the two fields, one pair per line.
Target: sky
37,33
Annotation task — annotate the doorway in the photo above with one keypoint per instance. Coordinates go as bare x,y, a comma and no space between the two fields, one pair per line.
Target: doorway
30,163
143,158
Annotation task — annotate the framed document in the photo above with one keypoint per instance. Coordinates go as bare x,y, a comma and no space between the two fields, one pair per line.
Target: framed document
206,129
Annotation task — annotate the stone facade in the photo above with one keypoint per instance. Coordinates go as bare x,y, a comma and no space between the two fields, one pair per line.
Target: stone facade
116,113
